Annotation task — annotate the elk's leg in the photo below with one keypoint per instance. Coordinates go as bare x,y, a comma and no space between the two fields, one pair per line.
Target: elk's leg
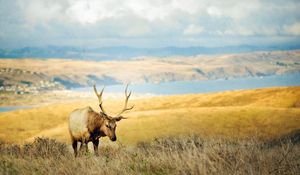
81,148
74,145
96,143
86,148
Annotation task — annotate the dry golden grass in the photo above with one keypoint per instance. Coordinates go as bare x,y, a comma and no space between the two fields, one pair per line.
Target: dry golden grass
262,113
170,155
251,119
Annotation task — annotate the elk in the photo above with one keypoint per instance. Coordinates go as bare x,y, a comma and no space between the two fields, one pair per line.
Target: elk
86,125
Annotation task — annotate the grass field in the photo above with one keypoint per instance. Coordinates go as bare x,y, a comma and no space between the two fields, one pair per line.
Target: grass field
169,155
262,113
235,132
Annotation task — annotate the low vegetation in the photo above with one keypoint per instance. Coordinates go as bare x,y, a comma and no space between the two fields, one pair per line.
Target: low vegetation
169,155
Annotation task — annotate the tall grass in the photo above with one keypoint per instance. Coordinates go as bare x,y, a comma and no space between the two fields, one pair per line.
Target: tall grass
170,155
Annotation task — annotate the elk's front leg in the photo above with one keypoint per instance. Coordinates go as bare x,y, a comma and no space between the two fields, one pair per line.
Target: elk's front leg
96,143
74,145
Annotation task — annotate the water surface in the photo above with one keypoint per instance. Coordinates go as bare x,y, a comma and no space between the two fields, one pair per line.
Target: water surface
187,87
12,108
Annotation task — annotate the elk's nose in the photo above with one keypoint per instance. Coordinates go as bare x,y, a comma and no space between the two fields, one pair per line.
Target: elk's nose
113,139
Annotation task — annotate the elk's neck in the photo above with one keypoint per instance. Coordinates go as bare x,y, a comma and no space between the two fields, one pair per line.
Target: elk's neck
95,120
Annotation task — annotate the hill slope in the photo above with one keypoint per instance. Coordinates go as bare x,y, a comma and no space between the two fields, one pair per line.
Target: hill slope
263,113
52,73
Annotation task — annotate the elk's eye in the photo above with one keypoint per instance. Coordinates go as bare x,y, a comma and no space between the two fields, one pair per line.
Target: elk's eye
107,126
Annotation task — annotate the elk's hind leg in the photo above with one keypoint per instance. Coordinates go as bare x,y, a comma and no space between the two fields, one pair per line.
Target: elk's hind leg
96,143
83,149
74,145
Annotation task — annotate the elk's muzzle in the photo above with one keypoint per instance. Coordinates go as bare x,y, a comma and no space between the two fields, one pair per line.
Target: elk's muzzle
114,138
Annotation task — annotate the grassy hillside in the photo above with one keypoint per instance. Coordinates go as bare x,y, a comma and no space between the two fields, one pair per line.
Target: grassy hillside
72,73
262,113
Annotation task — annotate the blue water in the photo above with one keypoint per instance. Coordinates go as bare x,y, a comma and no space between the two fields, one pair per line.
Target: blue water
12,108
187,87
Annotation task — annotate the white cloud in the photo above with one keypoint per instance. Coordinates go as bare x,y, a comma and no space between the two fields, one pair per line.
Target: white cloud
293,29
239,10
191,7
214,11
92,11
149,10
193,30
84,12
144,19
237,31
40,11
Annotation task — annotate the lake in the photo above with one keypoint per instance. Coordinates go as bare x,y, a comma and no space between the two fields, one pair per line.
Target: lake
187,87
12,108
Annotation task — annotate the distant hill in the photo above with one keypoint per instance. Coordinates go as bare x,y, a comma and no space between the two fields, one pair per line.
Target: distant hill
37,74
124,52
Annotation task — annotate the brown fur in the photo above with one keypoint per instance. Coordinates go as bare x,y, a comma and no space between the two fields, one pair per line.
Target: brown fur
98,125
86,125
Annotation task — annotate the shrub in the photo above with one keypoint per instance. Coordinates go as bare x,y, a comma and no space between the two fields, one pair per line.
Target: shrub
45,148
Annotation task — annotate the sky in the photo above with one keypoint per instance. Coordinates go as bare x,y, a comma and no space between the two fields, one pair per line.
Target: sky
148,23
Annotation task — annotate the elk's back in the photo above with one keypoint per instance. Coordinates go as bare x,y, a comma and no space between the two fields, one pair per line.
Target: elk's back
78,124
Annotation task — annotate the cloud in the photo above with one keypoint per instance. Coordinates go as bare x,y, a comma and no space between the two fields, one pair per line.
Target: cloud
193,30
293,29
40,11
214,11
176,22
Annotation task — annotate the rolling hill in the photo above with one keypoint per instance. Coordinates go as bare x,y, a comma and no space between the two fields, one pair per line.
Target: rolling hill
263,113
48,74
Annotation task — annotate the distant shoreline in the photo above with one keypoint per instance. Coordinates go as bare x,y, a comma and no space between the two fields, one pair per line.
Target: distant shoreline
127,53
206,86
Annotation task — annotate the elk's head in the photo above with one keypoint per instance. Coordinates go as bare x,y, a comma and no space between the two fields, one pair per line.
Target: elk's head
110,123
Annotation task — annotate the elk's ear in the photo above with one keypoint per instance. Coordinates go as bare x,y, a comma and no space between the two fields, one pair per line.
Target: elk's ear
120,118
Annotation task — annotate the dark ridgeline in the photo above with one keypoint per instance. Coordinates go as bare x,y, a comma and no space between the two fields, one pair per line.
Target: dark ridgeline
126,52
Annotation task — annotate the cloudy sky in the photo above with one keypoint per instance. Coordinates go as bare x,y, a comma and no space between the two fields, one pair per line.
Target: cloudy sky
148,23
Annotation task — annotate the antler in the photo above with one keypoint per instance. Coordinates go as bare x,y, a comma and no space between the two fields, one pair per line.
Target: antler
99,98
126,101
